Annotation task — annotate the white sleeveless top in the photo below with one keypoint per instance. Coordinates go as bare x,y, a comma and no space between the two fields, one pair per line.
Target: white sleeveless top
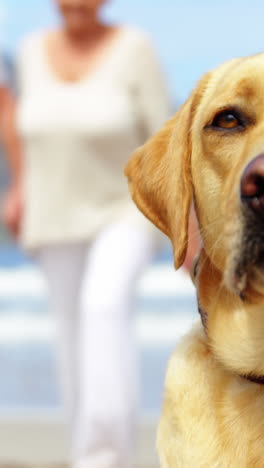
78,136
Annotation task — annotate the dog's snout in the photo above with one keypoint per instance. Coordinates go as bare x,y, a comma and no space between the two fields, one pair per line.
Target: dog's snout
252,184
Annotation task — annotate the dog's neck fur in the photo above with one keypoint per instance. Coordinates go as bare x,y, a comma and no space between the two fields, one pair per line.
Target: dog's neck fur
201,263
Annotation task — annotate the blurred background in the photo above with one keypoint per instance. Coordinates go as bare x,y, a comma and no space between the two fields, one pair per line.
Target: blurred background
191,37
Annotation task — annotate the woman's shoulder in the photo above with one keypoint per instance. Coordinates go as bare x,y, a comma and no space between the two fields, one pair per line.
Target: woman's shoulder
137,37
32,42
140,50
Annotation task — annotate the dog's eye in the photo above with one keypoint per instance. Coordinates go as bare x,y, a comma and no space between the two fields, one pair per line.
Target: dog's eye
227,119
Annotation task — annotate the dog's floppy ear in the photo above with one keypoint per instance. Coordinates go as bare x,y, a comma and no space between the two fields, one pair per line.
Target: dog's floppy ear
159,175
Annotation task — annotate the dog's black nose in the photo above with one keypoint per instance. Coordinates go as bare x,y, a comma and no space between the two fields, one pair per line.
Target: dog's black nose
252,184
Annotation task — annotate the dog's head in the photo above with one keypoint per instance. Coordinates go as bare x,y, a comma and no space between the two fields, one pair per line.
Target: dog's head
212,152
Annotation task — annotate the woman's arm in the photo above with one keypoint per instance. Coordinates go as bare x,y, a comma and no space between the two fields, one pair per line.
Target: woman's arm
9,136
155,108
12,205
154,105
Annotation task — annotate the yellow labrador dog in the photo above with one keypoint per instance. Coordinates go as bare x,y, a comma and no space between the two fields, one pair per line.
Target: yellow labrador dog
212,153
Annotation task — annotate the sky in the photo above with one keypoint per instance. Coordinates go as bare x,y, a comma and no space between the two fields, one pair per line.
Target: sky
191,36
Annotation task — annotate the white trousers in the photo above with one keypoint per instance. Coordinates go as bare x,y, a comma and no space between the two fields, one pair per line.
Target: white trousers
91,291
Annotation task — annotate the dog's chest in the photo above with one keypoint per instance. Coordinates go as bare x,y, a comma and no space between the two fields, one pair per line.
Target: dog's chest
209,419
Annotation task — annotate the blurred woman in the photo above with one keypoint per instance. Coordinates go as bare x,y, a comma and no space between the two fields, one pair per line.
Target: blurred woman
89,94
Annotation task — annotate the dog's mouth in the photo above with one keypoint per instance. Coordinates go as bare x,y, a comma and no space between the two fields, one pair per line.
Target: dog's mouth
248,258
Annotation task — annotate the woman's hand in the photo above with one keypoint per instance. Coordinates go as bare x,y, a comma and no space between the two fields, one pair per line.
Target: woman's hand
12,209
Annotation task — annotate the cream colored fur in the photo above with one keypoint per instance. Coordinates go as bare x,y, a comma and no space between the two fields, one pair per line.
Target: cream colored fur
212,417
